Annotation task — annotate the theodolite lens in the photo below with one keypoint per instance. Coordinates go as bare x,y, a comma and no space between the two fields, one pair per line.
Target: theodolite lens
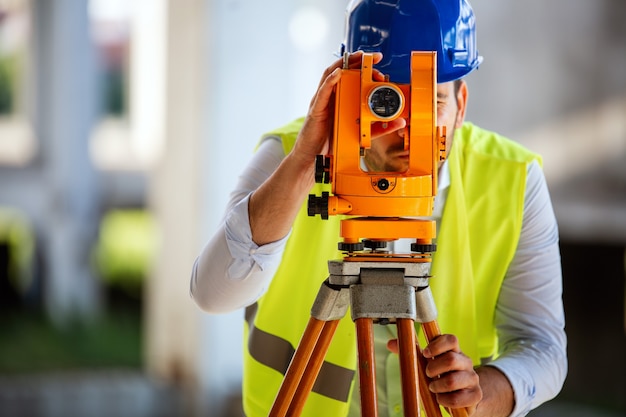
385,102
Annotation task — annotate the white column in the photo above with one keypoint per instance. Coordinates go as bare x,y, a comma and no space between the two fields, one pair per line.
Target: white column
166,109
232,72
65,113
264,63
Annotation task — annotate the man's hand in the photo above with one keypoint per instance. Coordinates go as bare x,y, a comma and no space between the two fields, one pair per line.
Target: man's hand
271,218
454,380
314,136
315,133
453,377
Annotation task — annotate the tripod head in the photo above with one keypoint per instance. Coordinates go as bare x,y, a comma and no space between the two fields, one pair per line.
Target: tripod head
360,102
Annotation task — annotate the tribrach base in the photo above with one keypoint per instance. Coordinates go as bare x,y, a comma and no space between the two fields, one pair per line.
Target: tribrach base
347,287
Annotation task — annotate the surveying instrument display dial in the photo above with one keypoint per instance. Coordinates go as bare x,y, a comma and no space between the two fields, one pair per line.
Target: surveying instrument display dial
386,101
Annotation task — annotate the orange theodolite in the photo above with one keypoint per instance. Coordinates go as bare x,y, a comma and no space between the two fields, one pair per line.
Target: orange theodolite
378,286
382,199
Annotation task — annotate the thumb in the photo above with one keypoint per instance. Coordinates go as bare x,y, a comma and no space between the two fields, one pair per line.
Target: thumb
392,345
380,128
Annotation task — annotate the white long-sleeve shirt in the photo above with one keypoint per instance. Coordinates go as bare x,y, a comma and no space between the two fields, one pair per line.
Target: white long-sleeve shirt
232,272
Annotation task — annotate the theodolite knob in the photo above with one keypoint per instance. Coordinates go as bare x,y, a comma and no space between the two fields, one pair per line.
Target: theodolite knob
374,244
322,169
351,247
423,248
318,205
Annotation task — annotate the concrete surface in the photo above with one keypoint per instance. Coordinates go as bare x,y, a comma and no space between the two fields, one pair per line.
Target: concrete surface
132,394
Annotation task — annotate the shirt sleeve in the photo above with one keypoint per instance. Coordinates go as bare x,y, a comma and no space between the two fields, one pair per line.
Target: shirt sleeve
529,315
232,271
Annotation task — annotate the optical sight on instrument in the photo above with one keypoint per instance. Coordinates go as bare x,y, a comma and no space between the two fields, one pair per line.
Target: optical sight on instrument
360,102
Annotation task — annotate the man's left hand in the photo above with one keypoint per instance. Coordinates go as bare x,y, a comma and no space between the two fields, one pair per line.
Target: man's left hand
454,380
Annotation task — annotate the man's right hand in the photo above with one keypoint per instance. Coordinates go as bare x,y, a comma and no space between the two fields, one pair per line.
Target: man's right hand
271,218
314,137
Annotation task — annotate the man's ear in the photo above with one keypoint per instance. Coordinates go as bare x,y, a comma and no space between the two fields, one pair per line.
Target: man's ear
461,102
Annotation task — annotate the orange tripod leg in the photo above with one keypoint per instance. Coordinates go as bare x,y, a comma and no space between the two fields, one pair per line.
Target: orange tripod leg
429,398
431,330
367,367
408,366
313,369
296,367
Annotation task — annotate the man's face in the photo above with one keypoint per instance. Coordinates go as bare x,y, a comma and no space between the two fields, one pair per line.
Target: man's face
387,152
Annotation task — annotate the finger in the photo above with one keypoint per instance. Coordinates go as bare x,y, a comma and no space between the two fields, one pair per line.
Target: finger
313,137
319,103
392,345
465,398
457,389
448,362
380,128
377,75
454,381
354,61
441,344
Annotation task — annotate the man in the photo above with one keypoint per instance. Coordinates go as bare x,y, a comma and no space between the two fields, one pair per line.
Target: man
497,277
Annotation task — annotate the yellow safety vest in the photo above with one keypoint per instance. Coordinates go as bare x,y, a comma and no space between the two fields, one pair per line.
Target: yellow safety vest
477,239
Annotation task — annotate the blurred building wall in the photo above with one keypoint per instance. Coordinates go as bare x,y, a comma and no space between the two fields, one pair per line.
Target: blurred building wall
57,188
264,61
554,79
172,332
211,76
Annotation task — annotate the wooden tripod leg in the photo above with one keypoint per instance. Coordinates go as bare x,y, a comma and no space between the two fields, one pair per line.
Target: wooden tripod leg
408,366
313,369
429,398
297,367
367,366
431,330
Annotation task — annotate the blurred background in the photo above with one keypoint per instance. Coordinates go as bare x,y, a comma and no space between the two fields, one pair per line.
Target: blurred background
124,125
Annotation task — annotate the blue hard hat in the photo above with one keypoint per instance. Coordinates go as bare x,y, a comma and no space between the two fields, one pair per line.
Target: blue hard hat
397,27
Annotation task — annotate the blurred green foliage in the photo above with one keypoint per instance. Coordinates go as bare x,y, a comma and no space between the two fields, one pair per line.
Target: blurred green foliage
123,255
17,234
126,248
114,86
8,79
30,342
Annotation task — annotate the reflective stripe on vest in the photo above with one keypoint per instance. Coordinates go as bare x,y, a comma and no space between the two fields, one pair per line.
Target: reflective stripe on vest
332,381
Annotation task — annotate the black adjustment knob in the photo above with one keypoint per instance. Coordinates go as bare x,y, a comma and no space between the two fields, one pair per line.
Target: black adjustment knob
423,248
318,205
383,184
374,244
322,169
351,247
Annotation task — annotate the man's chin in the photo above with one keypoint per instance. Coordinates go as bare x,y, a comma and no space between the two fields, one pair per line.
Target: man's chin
399,163
399,168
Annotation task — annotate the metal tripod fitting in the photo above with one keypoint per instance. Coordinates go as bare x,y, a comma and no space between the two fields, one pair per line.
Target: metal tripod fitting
425,304
385,298
382,291
416,274
331,303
